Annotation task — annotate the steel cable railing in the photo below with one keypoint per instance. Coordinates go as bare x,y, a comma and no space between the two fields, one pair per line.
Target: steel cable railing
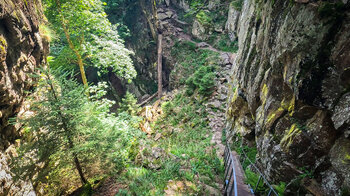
230,169
230,185
261,176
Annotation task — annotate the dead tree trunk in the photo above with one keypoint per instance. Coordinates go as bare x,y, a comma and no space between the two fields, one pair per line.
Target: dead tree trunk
160,85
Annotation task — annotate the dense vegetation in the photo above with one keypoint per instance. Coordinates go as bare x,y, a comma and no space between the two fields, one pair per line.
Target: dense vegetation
180,159
70,138
67,131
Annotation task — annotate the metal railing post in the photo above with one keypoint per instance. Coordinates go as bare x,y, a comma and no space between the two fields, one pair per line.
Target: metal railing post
257,184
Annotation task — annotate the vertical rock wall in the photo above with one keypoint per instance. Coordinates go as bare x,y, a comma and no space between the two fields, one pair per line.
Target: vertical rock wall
290,89
22,49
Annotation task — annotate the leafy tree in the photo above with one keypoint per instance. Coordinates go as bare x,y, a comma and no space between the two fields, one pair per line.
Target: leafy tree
66,130
84,29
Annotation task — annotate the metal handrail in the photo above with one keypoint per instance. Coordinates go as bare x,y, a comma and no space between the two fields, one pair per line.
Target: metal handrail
261,176
229,160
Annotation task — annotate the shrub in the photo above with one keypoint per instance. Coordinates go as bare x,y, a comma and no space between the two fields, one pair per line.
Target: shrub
203,18
128,104
167,107
203,79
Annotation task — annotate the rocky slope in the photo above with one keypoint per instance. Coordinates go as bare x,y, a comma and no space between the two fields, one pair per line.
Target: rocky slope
290,90
22,50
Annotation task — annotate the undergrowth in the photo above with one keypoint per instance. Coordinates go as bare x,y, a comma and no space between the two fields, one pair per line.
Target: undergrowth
222,42
192,157
195,68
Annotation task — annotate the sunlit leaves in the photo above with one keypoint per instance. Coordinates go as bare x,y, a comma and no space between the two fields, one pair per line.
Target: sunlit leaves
109,52
92,34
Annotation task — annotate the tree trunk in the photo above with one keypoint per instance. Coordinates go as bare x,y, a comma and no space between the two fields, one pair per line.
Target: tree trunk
77,162
160,85
71,45
76,52
155,15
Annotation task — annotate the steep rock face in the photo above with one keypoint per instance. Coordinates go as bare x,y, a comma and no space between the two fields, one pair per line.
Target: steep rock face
232,22
22,49
290,88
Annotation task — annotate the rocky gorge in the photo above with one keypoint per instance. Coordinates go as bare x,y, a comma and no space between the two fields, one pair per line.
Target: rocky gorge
282,77
288,86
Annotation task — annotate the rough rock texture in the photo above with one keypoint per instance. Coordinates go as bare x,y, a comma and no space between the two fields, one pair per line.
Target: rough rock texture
290,89
22,49
232,22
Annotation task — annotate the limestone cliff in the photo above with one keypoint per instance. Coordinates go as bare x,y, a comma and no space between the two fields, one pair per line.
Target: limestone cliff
22,50
290,89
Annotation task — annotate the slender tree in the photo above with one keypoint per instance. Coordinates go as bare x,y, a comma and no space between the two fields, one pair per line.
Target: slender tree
65,28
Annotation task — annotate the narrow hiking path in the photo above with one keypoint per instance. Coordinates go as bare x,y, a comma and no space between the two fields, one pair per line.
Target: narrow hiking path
182,153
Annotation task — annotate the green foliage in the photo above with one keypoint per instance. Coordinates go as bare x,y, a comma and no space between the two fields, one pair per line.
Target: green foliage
195,68
331,10
203,79
109,52
204,18
64,122
280,188
195,7
92,35
87,190
167,107
227,45
129,105
190,45
306,173
249,151
47,32
345,191
223,43
252,179
122,192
